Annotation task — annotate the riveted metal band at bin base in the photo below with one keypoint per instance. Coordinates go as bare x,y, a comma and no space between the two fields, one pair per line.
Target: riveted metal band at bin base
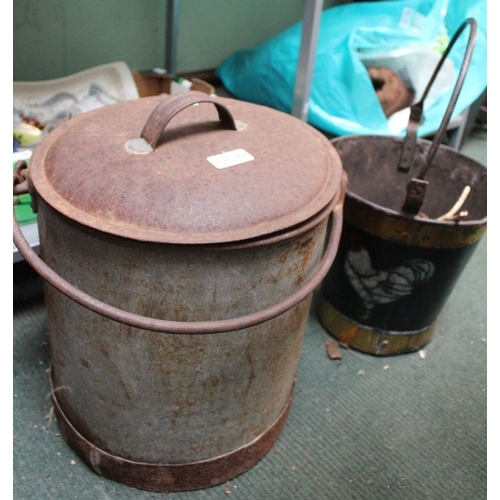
171,477
370,340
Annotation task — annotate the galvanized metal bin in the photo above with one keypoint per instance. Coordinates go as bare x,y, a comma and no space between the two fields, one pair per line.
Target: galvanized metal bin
181,238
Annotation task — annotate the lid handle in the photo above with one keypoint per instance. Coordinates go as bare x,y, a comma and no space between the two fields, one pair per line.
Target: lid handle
168,108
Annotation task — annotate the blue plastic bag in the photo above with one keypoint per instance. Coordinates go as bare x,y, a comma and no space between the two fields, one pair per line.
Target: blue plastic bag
342,99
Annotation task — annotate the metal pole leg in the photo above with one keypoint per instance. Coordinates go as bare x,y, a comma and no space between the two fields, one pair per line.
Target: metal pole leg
309,37
172,22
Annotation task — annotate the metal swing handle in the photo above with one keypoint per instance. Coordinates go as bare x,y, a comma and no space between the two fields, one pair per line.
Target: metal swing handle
417,187
181,327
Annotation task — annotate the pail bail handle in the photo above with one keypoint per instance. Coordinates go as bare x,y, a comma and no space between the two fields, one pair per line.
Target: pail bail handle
193,327
417,187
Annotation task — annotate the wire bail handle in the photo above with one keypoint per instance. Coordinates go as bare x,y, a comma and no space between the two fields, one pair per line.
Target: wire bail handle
417,187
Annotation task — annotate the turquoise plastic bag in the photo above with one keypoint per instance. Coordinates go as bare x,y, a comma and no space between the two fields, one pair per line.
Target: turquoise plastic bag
342,99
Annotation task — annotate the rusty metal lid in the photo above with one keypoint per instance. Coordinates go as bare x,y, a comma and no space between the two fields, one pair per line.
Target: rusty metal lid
206,170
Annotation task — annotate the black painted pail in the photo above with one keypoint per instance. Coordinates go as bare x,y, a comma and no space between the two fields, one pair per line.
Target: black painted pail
414,213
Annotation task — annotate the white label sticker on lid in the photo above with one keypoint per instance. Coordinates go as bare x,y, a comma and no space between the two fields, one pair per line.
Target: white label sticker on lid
230,158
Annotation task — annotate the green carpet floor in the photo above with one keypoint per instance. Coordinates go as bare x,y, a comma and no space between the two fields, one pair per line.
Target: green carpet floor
365,428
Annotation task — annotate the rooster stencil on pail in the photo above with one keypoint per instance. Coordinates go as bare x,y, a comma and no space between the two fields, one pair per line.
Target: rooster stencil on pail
378,286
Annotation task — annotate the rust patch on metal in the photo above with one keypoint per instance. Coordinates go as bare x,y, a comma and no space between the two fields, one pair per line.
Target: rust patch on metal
170,477
84,362
348,336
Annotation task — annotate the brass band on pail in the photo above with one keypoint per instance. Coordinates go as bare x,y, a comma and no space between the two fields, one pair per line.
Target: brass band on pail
369,340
